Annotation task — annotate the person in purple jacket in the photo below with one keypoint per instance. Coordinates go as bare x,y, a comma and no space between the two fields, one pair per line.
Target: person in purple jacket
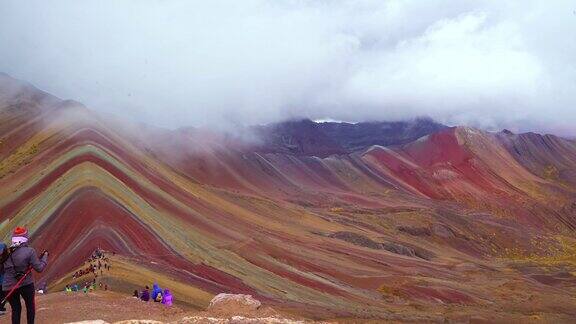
17,260
167,299
145,296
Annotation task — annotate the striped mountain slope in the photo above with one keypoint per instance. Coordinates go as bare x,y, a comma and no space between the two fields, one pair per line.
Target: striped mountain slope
458,218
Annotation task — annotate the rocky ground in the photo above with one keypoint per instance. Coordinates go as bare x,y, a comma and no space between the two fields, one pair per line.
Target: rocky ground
110,307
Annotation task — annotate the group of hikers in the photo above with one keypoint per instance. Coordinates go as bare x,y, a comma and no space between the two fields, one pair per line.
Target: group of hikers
92,269
88,286
157,295
16,264
95,266
97,263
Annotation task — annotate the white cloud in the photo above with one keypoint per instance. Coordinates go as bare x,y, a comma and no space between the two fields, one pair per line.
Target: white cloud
173,63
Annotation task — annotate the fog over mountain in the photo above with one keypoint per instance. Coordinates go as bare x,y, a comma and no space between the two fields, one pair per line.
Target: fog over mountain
491,64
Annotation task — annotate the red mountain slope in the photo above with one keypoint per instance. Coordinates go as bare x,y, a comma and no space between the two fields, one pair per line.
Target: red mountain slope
468,222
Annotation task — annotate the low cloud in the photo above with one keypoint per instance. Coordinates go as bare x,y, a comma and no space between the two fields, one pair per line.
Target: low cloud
493,64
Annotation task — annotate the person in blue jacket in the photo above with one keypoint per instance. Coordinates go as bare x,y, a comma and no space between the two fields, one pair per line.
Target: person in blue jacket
155,291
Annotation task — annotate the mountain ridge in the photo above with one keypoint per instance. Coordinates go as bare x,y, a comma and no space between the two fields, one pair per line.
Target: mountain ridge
454,219
305,137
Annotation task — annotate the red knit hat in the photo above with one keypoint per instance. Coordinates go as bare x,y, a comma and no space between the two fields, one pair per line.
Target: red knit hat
20,232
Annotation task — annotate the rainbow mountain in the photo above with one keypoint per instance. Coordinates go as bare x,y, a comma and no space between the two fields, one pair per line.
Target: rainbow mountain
403,221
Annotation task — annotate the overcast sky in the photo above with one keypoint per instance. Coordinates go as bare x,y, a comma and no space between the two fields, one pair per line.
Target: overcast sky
492,64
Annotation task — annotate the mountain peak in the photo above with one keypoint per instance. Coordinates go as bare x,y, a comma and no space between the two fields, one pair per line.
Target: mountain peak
306,137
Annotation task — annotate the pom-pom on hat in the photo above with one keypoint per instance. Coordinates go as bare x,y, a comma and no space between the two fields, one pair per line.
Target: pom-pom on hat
20,235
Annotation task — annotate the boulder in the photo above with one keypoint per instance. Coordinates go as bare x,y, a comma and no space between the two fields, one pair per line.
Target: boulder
237,320
234,303
139,322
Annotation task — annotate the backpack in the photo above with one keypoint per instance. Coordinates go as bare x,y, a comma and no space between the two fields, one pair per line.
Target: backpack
18,273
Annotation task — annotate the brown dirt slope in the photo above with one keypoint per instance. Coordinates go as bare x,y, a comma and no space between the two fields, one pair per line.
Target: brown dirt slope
113,307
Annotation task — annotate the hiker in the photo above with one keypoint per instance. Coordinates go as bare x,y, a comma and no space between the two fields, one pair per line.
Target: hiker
145,296
2,294
75,287
135,294
167,298
105,287
156,290
17,264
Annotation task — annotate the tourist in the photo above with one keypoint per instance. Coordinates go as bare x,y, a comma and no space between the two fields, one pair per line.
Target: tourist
156,290
145,296
18,264
167,298
136,294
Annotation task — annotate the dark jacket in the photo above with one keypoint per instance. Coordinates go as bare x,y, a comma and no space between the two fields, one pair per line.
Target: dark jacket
20,260
2,248
145,295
